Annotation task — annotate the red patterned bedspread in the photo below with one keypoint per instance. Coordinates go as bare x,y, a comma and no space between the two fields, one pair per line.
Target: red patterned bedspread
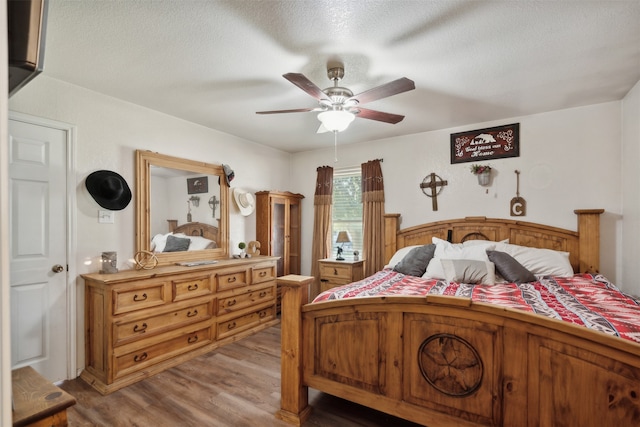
584,299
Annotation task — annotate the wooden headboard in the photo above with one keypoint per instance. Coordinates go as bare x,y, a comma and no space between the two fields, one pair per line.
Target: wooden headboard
583,245
195,229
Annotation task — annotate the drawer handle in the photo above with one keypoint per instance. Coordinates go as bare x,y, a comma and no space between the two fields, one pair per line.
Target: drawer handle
263,294
335,271
231,325
192,339
262,314
140,358
192,313
140,329
142,298
192,287
232,302
231,279
262,273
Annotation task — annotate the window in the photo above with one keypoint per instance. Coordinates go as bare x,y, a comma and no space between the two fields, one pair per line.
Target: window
347,208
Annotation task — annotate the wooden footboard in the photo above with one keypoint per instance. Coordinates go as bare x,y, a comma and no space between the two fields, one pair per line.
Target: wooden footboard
447,361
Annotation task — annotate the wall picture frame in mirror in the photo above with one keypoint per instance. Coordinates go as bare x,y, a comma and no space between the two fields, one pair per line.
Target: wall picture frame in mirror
198,185
164,207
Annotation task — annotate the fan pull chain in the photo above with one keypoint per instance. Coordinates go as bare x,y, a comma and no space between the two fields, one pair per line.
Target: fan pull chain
335,146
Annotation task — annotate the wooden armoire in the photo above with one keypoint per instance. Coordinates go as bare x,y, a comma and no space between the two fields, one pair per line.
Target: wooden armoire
278,228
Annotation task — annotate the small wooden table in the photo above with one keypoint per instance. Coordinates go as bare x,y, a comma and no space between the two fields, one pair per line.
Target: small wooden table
336,273
37,402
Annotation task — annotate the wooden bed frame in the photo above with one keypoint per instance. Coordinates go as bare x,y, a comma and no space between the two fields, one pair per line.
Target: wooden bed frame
447,361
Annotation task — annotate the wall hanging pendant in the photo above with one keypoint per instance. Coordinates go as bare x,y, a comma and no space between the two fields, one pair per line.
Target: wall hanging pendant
434,184
518,204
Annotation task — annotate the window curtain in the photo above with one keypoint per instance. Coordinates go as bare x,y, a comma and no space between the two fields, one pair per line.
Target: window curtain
322,224
372,216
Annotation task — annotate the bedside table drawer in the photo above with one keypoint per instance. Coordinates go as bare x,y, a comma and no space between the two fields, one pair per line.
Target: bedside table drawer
335,271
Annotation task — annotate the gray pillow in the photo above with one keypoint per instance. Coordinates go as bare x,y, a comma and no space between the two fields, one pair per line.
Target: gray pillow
415,262
176,244
509,268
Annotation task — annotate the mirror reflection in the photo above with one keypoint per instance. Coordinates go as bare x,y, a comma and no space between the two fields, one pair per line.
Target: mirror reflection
197,217
181,208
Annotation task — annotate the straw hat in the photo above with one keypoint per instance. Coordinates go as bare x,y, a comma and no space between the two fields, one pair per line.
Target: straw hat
245,201
109,189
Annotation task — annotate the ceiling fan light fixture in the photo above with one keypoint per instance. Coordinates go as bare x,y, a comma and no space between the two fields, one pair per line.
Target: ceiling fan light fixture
336,120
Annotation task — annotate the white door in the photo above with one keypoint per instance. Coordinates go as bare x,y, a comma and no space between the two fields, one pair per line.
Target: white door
38,248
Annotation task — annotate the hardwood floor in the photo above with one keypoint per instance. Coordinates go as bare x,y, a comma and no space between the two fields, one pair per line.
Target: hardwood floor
237,385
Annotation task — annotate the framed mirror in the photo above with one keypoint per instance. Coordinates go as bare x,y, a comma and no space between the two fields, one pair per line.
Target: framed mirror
182,210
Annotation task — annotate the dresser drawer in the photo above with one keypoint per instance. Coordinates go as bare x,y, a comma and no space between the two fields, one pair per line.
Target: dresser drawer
236,302
233,279
143,296
263,274
191,288
142,328
335,271
247,321
139,359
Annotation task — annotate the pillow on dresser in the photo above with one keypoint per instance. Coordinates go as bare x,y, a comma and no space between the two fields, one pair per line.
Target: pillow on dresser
415,262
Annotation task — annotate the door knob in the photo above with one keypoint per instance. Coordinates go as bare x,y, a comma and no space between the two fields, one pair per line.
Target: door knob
57,268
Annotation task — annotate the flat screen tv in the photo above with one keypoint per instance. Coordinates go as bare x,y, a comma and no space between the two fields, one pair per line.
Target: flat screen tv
26,23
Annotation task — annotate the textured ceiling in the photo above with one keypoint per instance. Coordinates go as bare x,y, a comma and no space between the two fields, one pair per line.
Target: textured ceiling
216,63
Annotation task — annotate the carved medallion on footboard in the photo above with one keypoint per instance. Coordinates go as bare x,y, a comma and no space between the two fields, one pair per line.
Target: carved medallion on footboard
458,367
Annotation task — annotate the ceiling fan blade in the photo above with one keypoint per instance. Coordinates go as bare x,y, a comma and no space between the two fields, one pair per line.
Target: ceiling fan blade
389,89
365,113
297,110
306,85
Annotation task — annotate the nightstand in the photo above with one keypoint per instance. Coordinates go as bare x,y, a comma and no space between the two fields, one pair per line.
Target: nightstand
336,273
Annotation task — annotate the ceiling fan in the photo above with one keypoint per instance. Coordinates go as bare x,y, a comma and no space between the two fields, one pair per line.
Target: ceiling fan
339,106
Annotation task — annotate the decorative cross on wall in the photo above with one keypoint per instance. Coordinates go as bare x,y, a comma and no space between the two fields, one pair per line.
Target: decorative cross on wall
213,203
435,184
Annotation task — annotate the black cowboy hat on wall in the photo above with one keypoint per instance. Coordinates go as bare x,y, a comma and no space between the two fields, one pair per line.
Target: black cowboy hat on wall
109,189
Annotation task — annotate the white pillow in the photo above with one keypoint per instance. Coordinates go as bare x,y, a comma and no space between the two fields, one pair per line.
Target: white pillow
158,242
446,250
545,262
469,271
400,253
198,243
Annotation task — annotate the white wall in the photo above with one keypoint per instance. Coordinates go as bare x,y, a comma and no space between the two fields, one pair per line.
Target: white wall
569,159
108,133
629,255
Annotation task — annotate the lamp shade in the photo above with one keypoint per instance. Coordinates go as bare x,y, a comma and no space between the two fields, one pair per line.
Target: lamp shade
336,120
343,237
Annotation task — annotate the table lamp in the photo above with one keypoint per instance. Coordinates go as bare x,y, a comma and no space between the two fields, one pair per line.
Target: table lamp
343,237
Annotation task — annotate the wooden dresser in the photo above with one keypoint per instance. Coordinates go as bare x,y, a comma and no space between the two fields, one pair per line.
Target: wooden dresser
139,323
337,273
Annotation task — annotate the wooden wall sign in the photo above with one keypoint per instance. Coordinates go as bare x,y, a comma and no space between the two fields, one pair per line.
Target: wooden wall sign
485,144
518,204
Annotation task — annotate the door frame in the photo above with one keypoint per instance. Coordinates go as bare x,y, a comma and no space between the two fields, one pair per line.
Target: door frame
71,237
